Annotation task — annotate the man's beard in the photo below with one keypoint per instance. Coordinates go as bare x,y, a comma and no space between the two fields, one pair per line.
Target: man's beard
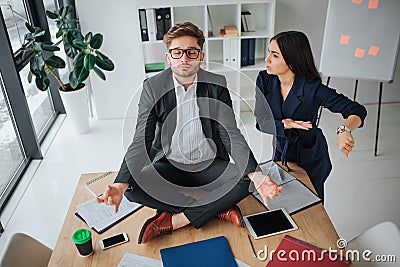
180,70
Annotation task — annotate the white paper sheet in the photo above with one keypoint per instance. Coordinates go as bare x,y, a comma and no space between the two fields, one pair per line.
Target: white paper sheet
99,215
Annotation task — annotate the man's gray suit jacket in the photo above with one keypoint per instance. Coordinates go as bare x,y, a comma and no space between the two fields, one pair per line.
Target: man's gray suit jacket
156,123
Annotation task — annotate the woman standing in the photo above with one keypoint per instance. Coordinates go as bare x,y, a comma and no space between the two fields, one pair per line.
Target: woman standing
291,85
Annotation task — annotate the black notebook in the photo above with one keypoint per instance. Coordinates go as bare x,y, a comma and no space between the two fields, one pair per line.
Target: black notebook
295,197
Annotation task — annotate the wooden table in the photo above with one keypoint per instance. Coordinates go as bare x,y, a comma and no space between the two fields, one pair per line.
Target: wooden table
314,225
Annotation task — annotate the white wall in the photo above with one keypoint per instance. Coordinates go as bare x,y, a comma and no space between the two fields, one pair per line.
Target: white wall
118,22
309,16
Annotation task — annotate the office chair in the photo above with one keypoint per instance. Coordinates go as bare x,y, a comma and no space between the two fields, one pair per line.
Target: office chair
381,239
25,251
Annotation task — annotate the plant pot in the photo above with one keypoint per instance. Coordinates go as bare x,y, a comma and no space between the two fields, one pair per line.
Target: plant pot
77,107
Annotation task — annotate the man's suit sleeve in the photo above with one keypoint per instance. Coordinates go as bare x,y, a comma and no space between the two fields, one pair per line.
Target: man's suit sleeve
137,155
231,136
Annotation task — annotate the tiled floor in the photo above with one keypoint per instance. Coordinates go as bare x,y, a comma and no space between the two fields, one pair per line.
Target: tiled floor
361,191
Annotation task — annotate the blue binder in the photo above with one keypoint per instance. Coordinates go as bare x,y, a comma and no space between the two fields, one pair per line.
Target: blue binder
143,25
206,253
159,23
252,51
245,52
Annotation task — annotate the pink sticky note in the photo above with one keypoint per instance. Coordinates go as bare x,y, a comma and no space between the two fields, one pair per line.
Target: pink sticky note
373,50
357,2
359,52
345,39
373,4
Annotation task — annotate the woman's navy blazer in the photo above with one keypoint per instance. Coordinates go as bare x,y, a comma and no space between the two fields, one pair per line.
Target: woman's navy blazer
308,149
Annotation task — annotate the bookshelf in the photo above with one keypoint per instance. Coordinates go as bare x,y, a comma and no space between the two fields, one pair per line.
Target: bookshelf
211,16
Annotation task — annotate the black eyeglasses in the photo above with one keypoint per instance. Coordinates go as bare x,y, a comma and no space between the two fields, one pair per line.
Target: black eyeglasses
177,53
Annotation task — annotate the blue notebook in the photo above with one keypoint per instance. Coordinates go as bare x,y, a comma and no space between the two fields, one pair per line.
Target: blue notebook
206,253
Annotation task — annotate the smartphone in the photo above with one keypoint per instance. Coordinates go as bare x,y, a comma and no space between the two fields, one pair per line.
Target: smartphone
114,240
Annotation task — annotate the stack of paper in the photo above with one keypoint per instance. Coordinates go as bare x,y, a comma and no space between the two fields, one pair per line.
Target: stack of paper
101,217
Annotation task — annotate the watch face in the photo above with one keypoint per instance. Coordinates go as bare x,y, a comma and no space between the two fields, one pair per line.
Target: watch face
340,129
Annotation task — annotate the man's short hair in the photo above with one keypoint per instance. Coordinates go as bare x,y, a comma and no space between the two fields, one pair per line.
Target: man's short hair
184,29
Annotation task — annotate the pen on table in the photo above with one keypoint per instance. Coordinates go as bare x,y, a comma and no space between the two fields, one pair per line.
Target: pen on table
251,245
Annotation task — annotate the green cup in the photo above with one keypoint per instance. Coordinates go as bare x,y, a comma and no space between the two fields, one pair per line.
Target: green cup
83,241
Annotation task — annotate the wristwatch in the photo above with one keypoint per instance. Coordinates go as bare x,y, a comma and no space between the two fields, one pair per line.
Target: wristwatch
342,128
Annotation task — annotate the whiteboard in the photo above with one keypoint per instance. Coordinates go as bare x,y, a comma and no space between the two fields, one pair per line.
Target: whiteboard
361,39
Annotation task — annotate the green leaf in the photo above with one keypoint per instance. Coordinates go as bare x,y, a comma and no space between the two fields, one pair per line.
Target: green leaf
69,9
63,11
73,80
78,75
42,82
30,74
89,61
59,33
25,54
88,36
37,65
56,62
99,73
79,59
79,44
71,21
96,41
51,15
106,64
83,75
29,27
100,55
37,47
50,47
39,33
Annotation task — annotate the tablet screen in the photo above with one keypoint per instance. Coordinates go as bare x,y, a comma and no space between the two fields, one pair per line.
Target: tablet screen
270,222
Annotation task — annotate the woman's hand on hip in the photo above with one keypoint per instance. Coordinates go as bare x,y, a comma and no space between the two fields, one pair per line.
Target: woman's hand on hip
345,142
290,124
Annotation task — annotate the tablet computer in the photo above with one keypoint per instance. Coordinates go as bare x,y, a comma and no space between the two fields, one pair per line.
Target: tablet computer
269,223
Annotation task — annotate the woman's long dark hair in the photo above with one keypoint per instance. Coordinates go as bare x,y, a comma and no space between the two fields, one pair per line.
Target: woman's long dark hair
296,51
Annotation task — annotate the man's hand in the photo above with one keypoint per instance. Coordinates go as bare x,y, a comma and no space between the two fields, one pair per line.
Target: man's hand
345,142
290,124
113,195
265,186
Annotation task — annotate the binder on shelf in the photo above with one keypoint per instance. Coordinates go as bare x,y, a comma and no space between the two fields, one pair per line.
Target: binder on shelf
210,23
249,21
154,67
290,244
252,51
167,19
143,25
226,52
151,24
243,23
244,52
234,53
159,23
209,252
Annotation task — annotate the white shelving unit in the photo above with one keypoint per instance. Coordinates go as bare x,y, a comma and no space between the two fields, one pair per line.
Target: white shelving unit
211,16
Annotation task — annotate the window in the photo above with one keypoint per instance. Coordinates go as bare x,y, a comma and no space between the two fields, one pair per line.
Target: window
26,113
11,153
39,102
15,17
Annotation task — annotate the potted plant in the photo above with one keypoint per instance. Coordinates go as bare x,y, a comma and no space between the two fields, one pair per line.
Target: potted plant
85,57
